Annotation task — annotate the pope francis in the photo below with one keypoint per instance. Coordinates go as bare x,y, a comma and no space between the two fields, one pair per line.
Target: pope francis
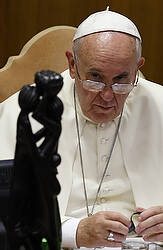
111,143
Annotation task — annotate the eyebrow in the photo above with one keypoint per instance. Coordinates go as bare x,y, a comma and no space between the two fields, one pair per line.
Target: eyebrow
123,74
94,70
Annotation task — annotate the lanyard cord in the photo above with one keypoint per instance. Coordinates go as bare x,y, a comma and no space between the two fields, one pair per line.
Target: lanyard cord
81,159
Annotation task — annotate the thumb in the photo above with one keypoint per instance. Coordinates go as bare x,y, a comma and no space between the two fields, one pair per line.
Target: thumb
140,209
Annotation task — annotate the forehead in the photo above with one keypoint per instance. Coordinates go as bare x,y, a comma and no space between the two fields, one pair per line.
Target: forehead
107,47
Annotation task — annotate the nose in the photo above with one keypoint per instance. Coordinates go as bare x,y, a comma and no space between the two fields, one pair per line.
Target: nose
107,94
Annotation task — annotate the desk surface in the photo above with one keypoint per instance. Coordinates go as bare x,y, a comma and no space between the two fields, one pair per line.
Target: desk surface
151,246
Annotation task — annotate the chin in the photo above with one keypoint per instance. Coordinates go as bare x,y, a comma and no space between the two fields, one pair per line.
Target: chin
101,118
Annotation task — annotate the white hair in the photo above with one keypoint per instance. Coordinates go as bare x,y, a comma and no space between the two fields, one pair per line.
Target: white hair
138,49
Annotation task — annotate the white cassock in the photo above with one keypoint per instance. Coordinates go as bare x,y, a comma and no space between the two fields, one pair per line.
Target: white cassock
135,172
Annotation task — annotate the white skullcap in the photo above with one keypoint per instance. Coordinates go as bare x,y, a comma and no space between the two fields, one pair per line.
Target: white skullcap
106,21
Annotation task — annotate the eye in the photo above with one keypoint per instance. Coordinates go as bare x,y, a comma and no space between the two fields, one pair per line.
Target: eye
121,77
95,76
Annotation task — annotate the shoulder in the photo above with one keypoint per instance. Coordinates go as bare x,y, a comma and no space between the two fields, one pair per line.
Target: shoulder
10,105
146,91
66,93
150,87
145,100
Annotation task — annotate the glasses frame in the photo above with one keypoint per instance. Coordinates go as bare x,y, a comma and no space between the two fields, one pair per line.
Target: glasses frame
132,226
103,85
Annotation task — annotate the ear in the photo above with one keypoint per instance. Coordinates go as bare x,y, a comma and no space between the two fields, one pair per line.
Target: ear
71,63
141,62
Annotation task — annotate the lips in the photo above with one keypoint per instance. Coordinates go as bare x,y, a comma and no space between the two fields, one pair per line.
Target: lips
103,109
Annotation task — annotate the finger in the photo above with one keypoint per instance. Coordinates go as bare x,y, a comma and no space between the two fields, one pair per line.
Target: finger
103,241
140,209
149,223
152,230
119,237
117,227
154,237
111,244
150,212
115,216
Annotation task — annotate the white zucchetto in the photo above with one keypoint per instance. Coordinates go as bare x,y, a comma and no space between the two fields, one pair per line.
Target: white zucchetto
106,21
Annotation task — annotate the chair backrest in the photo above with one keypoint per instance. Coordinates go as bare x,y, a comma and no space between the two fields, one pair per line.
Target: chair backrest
45,51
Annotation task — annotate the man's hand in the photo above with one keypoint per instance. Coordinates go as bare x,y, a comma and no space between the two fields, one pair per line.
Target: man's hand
94,230
151,223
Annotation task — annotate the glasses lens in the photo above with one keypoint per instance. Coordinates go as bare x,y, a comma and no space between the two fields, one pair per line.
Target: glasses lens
93,86
117,88
122,88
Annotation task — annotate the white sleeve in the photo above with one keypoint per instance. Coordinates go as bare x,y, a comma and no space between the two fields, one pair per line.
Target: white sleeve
69,228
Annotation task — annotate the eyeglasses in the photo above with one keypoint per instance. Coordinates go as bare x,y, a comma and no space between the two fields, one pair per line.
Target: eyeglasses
132,227
117,88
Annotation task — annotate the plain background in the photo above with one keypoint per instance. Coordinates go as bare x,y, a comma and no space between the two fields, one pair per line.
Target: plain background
20,20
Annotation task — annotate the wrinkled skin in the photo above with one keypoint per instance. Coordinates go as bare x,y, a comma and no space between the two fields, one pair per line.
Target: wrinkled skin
109,58
151,223
94,230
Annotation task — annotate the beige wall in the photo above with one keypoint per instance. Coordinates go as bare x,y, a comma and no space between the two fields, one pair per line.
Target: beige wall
20,20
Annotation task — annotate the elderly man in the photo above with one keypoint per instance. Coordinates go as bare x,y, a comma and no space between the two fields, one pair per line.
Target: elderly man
111,143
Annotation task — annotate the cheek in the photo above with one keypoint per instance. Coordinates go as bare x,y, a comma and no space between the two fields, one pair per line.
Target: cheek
87,101
86,98
120,99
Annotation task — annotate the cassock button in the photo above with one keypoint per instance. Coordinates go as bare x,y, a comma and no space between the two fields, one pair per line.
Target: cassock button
104,140
102,125
104,158
103,200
